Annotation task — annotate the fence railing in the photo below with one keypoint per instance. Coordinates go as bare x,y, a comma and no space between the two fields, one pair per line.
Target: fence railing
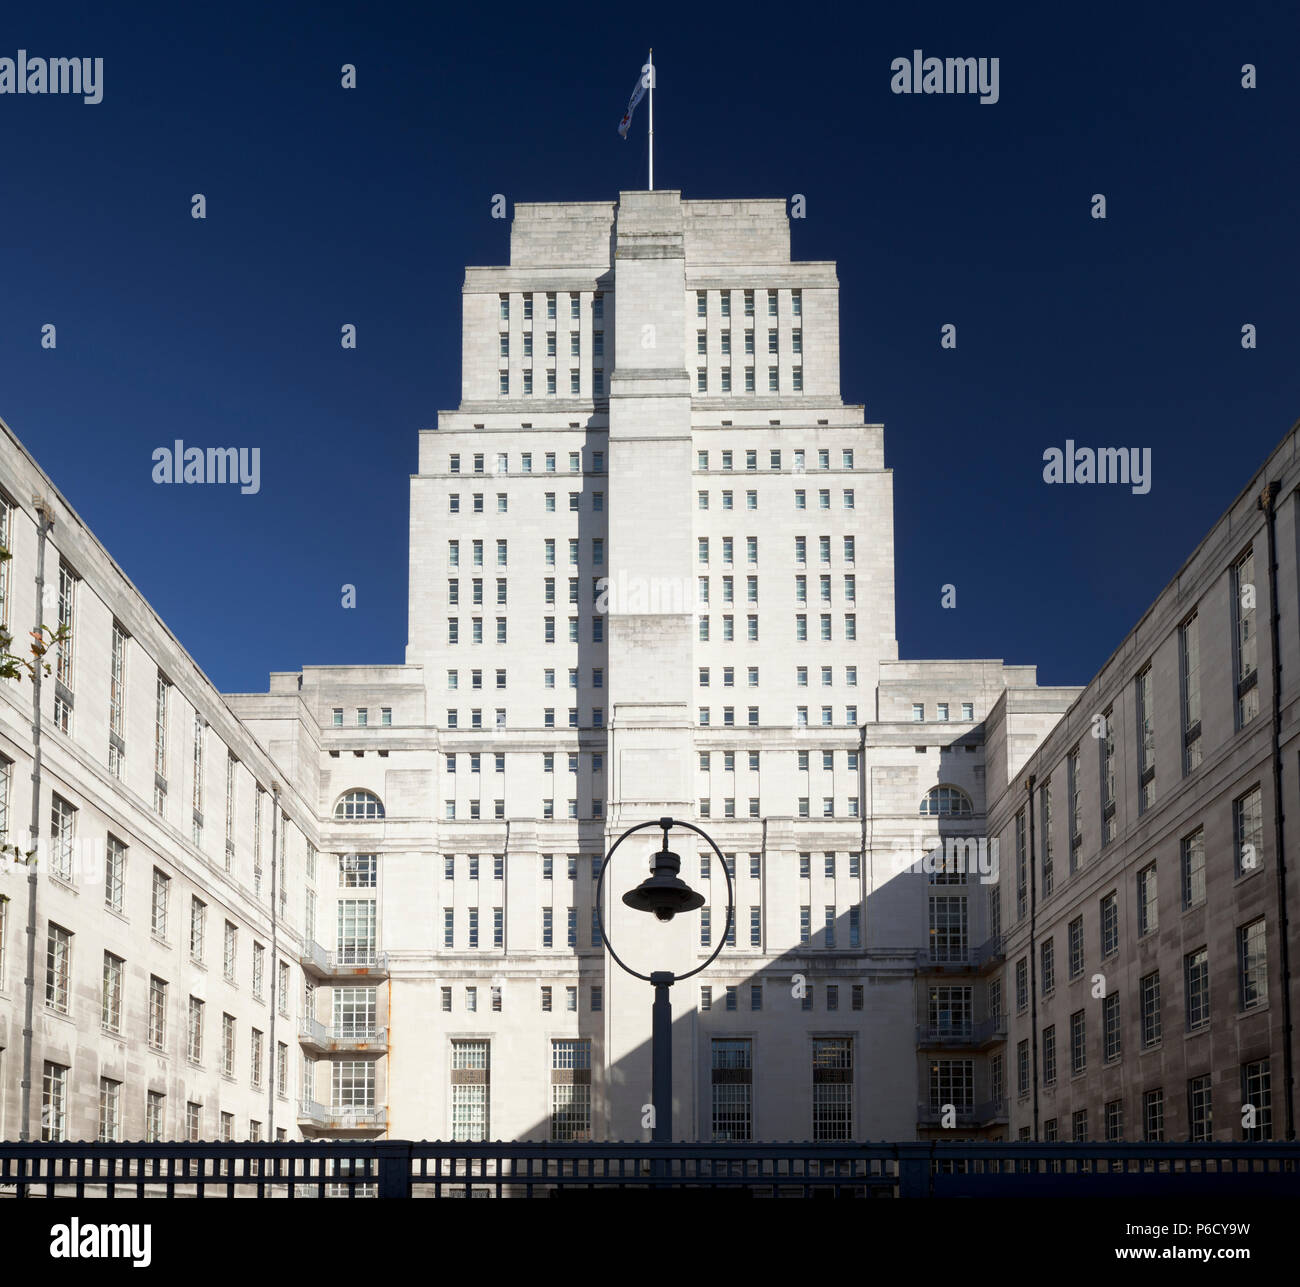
402,1169
340,1036
962,1033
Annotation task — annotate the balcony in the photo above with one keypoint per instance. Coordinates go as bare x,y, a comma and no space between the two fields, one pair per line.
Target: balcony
318,1117
992,1112
317,1036
348,962
976,960
964,1036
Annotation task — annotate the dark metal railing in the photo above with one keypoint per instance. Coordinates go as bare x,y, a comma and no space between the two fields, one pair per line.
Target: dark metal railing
403,1169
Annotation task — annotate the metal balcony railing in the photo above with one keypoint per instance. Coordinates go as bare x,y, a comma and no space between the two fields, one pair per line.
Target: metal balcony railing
351,1118
972,958
347,960
340,1036
988,1113
962,1034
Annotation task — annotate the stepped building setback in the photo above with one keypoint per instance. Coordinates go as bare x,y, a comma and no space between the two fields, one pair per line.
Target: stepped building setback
652,573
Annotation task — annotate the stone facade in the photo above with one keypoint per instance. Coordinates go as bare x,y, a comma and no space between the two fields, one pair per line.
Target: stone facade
1157,895
651,572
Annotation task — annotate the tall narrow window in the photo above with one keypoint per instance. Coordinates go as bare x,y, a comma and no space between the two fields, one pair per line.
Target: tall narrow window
1193,857
1248,832
1196,977
157,1012
1244,641
6,543
54,1103
111,1001
160,746
196,801
63,822
571,1089
1189,665
1106,743
161,898
1074,802
115,874
732,1076
1045,841
1146,744
110,1110
230,812
63,652
1022,869
471,1072
832,1069
116,702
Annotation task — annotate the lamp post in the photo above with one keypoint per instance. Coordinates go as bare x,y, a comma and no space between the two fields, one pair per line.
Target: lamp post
664,894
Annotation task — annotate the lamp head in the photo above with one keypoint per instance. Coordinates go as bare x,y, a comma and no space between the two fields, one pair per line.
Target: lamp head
663,892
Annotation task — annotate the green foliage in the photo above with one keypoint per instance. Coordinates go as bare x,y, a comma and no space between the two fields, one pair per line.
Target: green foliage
16,665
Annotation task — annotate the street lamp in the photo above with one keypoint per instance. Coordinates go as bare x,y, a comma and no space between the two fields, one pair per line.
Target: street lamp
664,894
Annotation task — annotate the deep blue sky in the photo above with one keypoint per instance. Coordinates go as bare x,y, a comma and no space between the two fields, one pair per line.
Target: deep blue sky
328,206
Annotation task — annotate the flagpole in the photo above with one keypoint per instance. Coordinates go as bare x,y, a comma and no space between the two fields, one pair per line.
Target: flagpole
651,64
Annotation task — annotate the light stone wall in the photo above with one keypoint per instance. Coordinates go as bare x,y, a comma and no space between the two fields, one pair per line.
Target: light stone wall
649,439
1235,759
75,767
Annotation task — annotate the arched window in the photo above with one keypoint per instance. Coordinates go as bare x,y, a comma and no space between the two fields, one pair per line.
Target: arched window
358,806
946,802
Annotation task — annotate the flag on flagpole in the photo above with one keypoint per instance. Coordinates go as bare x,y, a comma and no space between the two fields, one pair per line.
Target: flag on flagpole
637,95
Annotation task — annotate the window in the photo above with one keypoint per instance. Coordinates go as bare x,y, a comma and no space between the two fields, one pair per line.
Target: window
63,653
161,897
1075,933
154,1117
1145,741
1106,746
1110,1026
1248,832
358,806
1074,801
111,999
1257,1100
1252,965
62,828
1149,993
1109,924
1047,965
832,1074
54,1103
1189,665
1193,858
116,689
198,927
1045,804
1148,908
194,1041
1078,1042
1049,1055
946,802
948,927
1196,975
732,1089
1153,1115
227,1045
571,1089
1022,869
1244,641
157,1012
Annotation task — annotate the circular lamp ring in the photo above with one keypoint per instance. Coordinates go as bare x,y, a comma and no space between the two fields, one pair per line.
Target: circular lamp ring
600,885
